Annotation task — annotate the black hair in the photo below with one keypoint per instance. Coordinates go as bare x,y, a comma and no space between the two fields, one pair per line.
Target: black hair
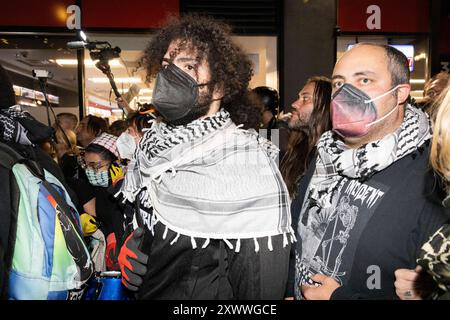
230,68
104,153
96,125
269,98
397,63
118,127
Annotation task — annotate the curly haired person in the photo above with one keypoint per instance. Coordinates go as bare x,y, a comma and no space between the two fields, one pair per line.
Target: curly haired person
219,221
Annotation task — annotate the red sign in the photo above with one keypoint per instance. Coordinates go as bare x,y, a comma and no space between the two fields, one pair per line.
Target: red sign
32,13
383,16
136,14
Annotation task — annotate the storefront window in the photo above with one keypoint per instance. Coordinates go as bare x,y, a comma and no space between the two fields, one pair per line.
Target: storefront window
21,53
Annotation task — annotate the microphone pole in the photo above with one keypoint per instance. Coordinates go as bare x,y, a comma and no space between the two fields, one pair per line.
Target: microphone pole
42,84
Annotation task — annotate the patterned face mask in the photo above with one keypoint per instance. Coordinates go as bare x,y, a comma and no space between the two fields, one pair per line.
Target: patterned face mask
353,112
98,179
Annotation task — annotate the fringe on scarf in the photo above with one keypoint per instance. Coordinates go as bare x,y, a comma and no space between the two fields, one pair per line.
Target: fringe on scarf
237,247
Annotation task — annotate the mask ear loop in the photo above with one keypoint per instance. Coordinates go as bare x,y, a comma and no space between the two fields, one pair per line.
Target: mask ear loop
387,114
382,95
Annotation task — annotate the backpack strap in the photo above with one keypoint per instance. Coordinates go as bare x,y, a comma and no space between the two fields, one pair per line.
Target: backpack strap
61,203
9,156
8,217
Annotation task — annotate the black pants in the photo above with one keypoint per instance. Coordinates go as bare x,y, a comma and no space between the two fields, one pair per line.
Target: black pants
216,272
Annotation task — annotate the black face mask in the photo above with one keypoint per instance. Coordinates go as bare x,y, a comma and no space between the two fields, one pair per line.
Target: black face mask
176,96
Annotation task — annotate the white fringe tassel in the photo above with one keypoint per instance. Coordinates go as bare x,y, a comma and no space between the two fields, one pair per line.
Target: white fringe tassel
194,244
256,245
175,240
228,244
165,233
293,238
285,240
205,244
238,245
269,243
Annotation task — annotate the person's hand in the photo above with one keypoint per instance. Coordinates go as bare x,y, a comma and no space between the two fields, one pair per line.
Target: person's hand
121,102
132,261
284,116
413,284
323,292
88,224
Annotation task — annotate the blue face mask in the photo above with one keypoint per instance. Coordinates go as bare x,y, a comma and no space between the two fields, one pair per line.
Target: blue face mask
98,179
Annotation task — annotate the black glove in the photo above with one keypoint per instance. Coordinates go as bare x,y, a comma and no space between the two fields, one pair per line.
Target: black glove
132,261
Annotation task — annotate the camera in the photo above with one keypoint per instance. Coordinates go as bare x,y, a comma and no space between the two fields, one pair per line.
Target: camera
105,53
38,73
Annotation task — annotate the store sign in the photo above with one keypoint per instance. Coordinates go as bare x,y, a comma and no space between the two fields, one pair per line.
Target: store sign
72,14
373,22
74,17
125,15
32,13
383,16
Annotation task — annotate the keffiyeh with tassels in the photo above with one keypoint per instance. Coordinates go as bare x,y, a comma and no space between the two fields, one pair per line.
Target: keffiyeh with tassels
10,128
336,161
209,179
20,127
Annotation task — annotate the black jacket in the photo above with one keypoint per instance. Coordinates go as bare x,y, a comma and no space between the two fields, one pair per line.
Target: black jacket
394,213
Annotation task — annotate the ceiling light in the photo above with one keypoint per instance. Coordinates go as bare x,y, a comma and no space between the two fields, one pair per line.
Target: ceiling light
112,63
417,81
141,91
88,62
83,35
421,56
117,80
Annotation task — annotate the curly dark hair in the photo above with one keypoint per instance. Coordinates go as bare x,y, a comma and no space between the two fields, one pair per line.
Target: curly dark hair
230,68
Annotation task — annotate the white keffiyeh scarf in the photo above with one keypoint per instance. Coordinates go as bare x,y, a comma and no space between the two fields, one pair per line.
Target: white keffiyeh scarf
210,179
336,161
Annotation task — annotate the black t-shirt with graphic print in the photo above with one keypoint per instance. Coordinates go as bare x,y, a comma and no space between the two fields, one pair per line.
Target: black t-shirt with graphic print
372,229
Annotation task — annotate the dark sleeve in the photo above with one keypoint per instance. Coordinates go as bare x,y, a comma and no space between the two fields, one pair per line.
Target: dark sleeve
291,275
431,219
69,165
296,208
84,190
345,293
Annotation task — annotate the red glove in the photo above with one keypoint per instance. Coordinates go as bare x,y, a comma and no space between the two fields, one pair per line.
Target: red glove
132,261
110,252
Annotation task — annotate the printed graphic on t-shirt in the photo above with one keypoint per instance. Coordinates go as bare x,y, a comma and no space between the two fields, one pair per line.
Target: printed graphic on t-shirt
328,236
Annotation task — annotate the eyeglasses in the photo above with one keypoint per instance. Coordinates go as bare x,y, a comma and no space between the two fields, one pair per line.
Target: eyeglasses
95,166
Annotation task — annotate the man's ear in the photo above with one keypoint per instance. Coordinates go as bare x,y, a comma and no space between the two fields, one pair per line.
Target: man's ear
403,93
218,92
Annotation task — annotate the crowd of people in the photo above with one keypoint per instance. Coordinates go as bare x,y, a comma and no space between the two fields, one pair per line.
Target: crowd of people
185,200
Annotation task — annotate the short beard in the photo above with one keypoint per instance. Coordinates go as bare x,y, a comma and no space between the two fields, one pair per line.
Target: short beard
199,110
298,126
